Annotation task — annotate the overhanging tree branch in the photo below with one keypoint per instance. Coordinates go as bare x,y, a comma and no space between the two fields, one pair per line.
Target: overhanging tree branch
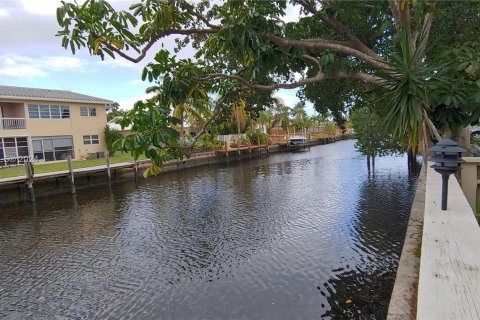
395,9
325,44
190,10
320,76
340,29
152,41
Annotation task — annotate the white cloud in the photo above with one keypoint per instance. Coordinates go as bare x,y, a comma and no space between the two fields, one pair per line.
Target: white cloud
60,63
119,62
3,13
49,7
297,76
29,67
292,13
22,71
137,81
43,7
290,99
127,104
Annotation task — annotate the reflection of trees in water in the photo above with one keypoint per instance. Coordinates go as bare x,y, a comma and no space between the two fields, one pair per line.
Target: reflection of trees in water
363,291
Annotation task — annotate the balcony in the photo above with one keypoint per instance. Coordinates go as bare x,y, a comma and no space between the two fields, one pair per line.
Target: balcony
12,123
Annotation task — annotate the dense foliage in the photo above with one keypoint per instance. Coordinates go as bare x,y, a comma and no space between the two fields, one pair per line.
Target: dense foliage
114,112
335,52
111,136
373,138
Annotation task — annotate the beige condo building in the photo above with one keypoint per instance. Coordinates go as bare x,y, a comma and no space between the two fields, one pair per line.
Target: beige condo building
47,125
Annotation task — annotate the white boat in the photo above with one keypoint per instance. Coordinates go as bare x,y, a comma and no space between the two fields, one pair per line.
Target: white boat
297,140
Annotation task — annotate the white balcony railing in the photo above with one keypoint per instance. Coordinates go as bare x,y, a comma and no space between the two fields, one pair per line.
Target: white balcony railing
12,123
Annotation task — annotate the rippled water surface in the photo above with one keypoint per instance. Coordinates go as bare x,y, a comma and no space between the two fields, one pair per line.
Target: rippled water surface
293,236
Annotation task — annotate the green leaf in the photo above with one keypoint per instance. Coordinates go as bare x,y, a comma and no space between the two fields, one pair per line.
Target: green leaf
462,66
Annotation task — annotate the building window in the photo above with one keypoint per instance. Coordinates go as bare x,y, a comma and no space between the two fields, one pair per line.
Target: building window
52,148
65,111
88,111
46,111
91,139
55,112
33,112
13,150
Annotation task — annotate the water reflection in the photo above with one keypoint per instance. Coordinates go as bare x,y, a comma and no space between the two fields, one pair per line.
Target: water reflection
361,287
293,236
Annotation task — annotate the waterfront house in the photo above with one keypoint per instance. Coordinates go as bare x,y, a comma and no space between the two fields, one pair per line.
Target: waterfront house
47,125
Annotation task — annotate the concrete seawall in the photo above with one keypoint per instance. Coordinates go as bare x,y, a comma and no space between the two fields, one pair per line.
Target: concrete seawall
47,186
446,271
403,302
16,191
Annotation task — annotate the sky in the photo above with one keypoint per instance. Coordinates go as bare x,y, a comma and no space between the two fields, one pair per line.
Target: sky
32,56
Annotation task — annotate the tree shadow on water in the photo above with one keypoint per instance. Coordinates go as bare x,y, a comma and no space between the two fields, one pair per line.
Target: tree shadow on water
360,288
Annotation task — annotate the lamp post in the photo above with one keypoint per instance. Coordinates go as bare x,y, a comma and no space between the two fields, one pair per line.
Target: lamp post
447,157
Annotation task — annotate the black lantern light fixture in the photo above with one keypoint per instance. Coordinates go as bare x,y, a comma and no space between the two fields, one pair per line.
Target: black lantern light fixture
447,157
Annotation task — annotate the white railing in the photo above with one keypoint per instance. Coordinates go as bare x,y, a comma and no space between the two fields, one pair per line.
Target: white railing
12,123
231,138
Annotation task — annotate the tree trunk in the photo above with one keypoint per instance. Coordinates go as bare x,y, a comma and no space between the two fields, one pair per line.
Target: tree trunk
409,159
238,120
368,163
373,162
412,161
462,137
182,134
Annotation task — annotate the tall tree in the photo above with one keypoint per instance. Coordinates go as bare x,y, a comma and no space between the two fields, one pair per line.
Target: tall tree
281,116
114,111
300,119
373,138
248,46
192,112
264,120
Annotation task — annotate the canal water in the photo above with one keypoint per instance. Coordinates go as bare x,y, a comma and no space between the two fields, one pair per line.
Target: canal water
303,235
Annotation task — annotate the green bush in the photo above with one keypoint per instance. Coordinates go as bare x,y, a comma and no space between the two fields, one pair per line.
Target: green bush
112,135
245,141
256,136
208,141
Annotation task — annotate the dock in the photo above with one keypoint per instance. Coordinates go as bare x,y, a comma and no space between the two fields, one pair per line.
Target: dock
65,173
449,280
250,148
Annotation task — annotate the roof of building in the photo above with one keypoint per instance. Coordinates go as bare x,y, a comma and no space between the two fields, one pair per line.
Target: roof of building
20,93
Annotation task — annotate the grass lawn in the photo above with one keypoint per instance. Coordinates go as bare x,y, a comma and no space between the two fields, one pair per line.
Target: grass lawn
62,165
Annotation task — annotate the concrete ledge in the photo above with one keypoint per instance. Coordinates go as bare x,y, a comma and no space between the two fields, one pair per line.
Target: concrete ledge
403,300
449,282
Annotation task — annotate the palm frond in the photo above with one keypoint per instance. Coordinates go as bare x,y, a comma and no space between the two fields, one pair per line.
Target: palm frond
407,100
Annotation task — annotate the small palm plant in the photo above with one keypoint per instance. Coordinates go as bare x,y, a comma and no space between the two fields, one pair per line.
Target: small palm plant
407,99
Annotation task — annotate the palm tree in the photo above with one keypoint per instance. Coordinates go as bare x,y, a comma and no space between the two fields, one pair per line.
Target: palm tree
264,120
406,101
299,116
192,112
189,111
238,116
281,117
